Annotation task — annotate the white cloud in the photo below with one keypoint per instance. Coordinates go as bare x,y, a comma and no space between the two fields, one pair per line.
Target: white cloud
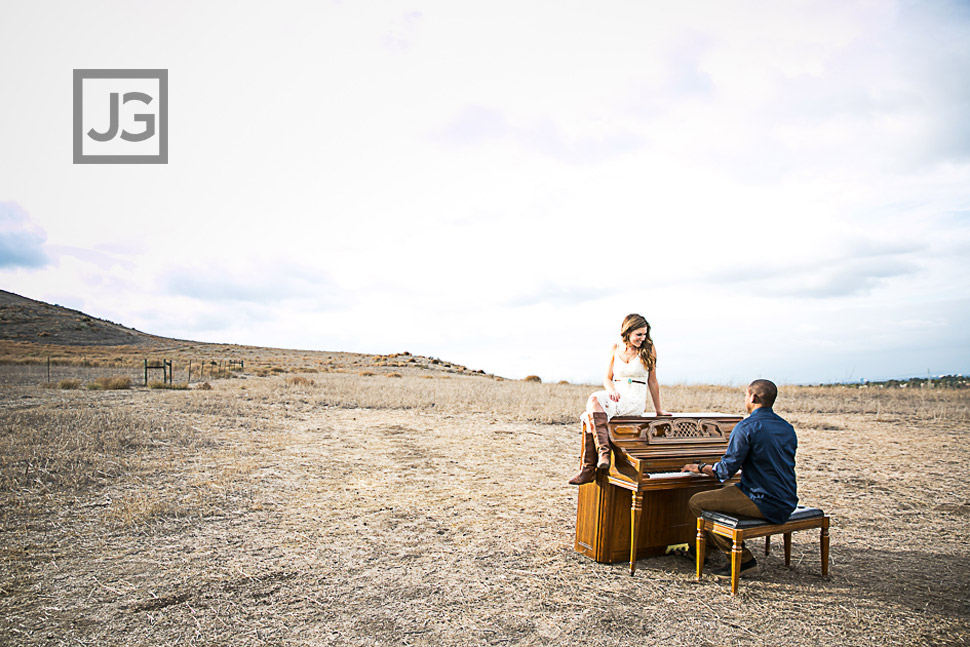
21,240
476,125
497,183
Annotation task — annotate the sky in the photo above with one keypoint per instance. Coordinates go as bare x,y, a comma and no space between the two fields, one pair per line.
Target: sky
781,188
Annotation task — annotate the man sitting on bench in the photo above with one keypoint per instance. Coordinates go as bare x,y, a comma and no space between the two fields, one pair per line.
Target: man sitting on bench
763,447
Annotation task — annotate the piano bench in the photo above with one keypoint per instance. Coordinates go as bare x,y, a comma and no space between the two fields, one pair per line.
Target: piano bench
737,529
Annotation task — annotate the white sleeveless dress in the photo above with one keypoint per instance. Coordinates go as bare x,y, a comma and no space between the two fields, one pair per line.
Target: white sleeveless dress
630,380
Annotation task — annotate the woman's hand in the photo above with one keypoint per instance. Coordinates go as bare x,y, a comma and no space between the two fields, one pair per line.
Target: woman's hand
614,396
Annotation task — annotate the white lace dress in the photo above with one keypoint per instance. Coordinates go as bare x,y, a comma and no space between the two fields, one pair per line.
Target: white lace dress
630,380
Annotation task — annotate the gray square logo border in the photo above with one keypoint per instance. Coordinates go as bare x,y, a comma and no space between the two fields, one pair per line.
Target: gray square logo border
162,77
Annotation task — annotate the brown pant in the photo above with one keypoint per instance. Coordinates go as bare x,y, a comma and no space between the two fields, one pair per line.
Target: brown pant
729,500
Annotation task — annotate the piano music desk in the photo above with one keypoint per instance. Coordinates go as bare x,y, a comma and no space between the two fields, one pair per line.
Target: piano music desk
639,507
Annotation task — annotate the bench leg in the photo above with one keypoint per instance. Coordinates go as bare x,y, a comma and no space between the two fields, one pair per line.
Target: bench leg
788,549
736,549
824,539
701,547
767,544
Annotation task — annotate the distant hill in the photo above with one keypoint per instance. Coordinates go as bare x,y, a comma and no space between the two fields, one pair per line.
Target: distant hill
27,320
940,382
33,332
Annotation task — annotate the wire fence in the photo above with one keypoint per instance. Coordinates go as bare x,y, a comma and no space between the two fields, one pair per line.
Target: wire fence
140,373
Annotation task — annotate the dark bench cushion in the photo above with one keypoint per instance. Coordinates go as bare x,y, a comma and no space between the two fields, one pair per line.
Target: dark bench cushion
801,512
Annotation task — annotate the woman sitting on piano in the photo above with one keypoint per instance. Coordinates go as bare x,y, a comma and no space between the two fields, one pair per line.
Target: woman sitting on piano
631,373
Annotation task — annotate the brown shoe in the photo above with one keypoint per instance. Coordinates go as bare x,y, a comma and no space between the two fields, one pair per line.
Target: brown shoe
587,460
748,567
586,475
601,434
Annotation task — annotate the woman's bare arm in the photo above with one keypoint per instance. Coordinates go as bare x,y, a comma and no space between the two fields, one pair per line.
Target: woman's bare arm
608,380
653,385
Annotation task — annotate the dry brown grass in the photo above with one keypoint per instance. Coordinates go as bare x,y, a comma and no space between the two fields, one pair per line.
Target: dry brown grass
32,363
116,383
357,511
173,386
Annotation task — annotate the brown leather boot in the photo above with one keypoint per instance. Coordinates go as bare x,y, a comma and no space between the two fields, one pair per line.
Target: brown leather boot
587,460
601,436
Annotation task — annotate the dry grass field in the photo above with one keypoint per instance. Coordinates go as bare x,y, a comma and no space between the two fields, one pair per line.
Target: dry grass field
326,503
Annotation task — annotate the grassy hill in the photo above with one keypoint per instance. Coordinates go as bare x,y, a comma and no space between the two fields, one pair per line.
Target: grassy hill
27,320
34,332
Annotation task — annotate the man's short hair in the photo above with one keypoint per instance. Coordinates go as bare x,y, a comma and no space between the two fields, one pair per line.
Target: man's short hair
764,392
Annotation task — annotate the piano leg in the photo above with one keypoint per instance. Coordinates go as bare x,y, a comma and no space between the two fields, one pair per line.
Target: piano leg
701,547
636,509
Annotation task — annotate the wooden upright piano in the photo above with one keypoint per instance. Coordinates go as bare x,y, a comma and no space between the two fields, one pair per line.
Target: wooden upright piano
639,507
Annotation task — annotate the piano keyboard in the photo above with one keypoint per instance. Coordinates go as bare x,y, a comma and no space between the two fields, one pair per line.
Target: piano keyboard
670,475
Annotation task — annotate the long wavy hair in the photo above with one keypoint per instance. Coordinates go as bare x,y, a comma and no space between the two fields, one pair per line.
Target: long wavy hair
646,352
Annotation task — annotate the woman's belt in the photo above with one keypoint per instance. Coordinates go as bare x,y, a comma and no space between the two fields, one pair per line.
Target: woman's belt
628,380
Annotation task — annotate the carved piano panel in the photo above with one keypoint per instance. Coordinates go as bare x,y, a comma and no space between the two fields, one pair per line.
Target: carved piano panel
683,428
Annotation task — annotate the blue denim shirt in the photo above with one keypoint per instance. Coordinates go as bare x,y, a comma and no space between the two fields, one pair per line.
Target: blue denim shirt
763,446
